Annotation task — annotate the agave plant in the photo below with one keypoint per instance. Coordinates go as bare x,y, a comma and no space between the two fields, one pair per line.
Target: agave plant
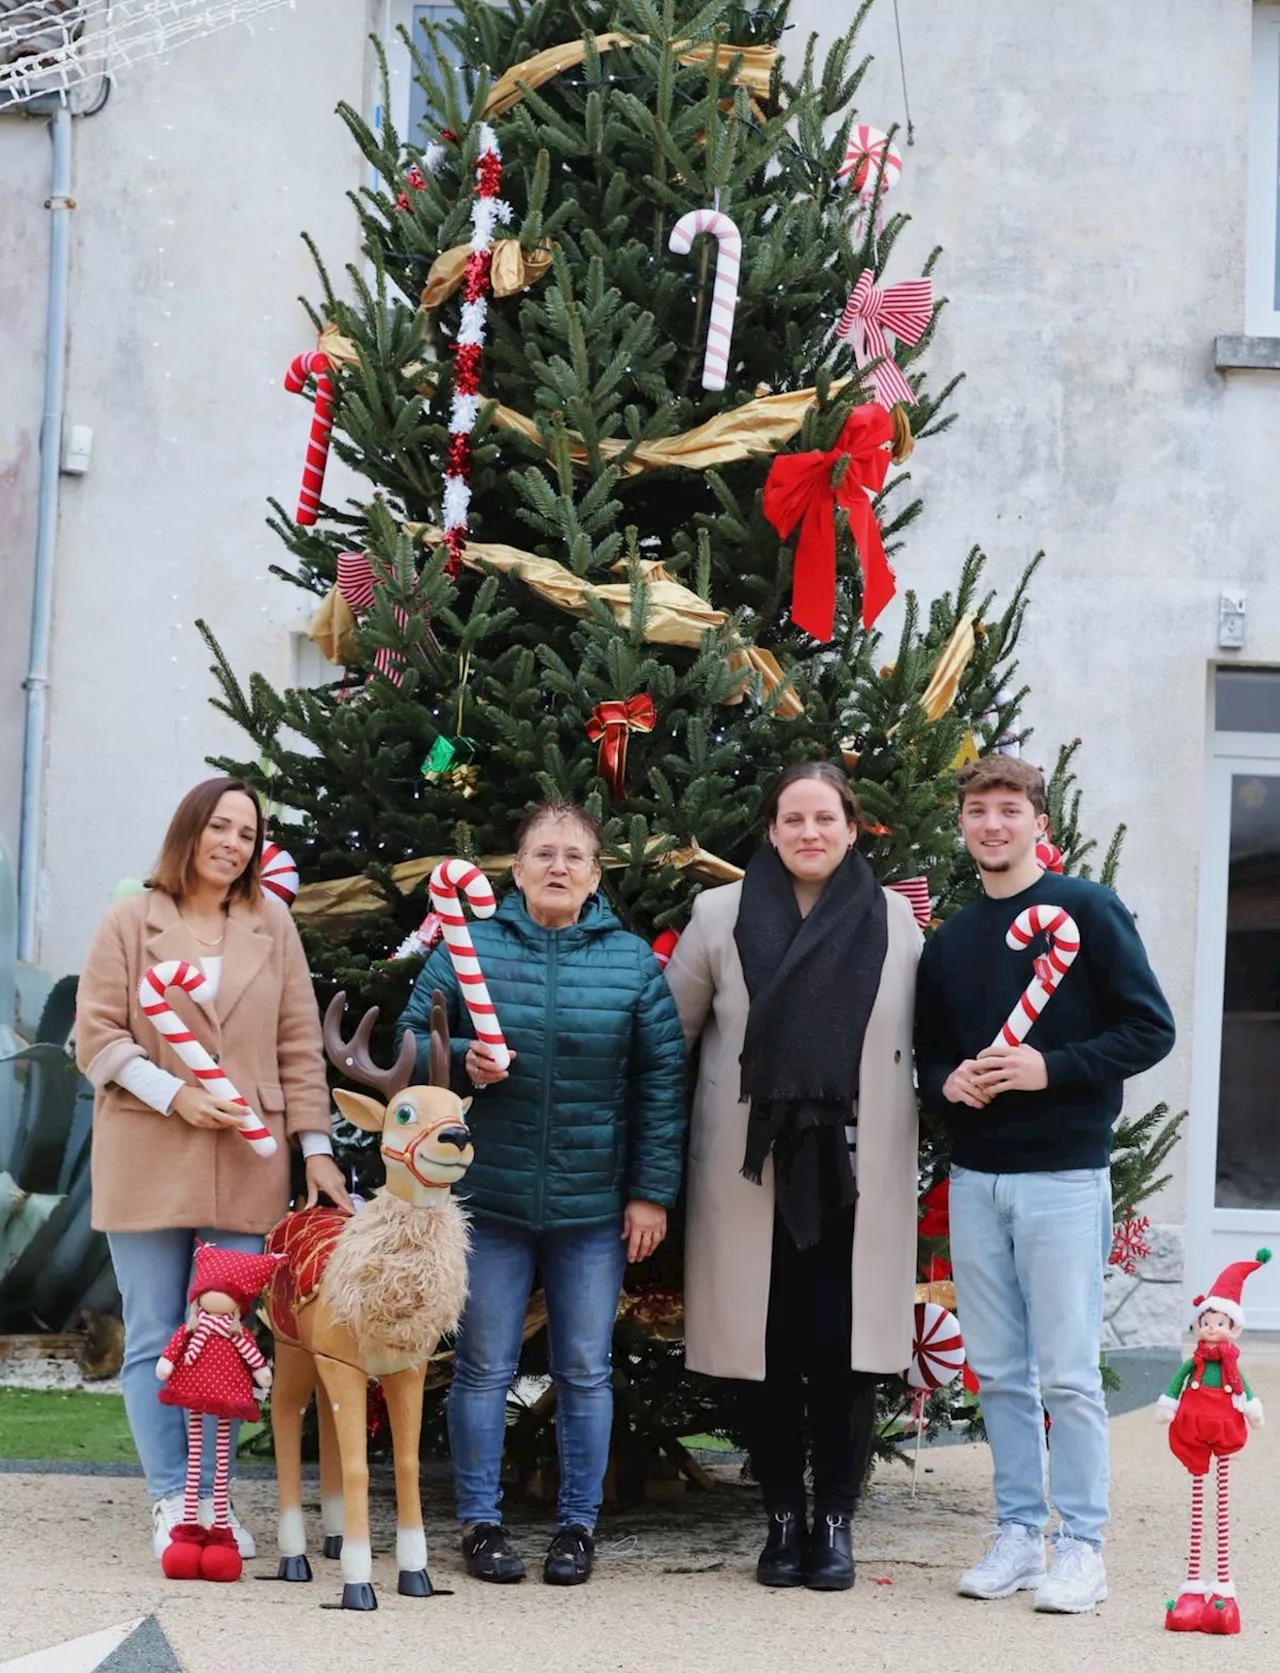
52,1262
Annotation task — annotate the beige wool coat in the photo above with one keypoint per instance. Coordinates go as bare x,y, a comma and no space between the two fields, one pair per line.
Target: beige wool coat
729,1234
150,1170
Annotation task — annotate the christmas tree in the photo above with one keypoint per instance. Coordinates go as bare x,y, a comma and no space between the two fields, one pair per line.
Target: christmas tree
567,577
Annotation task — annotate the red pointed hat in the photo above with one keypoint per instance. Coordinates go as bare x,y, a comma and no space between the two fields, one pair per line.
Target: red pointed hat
236,1274
1225,1294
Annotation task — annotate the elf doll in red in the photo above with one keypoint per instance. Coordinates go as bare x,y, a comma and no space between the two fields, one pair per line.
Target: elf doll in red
210,1367
1210,1409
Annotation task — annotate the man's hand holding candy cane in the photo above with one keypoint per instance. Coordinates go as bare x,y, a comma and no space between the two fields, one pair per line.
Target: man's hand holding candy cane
1002,1068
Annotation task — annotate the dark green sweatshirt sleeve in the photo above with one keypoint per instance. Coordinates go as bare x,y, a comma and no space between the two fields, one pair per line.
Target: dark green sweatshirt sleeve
655,1158
937,1052
438,972
1139,1029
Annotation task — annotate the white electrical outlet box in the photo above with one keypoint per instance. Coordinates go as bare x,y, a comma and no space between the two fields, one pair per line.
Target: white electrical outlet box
1231,620
76,450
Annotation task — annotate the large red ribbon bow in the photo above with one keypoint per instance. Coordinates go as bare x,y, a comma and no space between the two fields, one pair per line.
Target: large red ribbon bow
356,580
799,490
905,309
610,725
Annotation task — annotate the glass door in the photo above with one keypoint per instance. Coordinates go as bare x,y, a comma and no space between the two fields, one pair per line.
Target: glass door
1233,1178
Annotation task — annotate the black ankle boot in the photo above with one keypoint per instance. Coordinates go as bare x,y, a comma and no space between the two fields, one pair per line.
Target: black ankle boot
782,1560
829,1563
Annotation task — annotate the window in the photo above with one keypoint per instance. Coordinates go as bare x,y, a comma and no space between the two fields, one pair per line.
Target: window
1262,260
408,102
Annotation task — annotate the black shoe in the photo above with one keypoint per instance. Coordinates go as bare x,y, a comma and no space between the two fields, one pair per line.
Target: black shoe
829,1562
782,1560
570,1557
488,1556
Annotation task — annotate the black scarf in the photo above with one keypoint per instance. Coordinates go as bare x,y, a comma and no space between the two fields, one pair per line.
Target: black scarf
812,982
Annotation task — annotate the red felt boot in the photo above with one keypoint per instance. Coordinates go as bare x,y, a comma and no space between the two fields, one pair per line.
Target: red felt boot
1185,1613
181,1558
220,1560
1221,1615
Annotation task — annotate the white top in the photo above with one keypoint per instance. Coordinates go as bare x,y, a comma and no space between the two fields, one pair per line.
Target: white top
158,1088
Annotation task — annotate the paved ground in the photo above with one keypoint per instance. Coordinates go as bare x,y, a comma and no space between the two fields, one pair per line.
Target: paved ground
673,1592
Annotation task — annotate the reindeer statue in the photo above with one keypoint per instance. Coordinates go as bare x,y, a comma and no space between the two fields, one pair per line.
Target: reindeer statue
355,1299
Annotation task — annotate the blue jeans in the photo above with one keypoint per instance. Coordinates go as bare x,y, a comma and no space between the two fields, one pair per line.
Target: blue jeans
581,1278
1029,1252
153,1270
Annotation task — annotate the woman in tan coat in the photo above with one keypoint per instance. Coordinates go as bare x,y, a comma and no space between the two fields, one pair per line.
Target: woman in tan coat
168,1164
801,1238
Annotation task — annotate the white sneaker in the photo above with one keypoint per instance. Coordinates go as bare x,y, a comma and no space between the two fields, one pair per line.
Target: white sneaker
245,1544
1014,1563
165,1517
1077,1580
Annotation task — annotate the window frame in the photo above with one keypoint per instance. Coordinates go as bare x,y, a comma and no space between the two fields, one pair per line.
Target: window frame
1262,251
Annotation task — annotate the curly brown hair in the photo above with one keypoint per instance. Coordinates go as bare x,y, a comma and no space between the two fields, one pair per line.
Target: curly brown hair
1003,772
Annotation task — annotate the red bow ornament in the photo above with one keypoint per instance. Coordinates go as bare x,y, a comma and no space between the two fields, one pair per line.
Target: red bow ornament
905,309
610,725
799,490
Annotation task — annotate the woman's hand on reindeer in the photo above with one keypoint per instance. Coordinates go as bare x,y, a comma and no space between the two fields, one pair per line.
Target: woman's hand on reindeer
198,1109
324,1174
482,1069
644,1225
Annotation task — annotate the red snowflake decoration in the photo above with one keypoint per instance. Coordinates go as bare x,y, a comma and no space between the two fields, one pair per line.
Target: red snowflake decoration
1129,1244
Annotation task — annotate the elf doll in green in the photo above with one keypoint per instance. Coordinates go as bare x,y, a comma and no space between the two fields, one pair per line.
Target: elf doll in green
1210,1409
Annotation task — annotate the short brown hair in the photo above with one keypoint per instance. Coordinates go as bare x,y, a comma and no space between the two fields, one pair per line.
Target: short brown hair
556,809
174,871
1003,772
826,772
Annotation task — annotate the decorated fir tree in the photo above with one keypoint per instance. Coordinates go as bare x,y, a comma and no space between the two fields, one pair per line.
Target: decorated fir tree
581,440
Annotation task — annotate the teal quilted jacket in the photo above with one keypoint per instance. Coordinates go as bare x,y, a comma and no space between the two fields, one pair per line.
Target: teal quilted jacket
593,1111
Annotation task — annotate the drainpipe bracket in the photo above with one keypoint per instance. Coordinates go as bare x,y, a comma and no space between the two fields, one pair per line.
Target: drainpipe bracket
61,202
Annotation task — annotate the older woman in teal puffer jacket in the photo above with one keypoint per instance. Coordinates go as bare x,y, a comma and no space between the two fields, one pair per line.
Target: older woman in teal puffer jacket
579,1147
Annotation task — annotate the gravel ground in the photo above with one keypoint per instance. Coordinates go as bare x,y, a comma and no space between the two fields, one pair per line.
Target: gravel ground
673,1591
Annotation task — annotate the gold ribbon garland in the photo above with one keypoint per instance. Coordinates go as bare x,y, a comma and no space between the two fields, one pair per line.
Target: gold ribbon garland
337,905
755,69
511,270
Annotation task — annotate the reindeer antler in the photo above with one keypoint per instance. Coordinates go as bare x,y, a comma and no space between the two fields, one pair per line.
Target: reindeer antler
352,1056
439,1040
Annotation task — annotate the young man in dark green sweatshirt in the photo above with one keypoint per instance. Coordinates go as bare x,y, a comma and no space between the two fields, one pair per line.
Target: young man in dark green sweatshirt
1031,1127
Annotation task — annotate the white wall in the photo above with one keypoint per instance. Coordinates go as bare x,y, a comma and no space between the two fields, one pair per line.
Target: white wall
1084,166
192,187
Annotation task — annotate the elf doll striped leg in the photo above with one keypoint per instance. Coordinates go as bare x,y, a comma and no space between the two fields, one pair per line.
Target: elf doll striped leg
1185,1613
181,1559
220,1560
1222,1612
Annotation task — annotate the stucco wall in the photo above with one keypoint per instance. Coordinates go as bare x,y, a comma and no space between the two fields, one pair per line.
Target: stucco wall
192,187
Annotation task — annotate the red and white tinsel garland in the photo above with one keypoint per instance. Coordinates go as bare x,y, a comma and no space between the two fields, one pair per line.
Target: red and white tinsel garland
487,209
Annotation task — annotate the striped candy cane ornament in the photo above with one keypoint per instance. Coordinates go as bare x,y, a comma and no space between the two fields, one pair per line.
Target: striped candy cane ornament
1064,944
153,992
315,366
724,297
447,879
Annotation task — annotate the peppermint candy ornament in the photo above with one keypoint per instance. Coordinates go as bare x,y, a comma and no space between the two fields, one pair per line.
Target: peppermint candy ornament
278,871
872,167
937,1353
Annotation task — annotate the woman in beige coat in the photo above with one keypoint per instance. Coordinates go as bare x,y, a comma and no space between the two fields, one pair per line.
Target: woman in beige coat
801,1238
168,1164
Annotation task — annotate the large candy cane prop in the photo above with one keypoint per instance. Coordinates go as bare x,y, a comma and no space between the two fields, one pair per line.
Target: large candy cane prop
153,992
1064,944
447,879
315,366
724,298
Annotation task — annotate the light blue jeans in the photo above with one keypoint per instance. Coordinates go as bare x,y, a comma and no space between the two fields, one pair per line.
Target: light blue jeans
582,1273
1029,1251
153,1270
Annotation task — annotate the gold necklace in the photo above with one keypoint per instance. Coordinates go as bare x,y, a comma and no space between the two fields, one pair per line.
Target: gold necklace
200,938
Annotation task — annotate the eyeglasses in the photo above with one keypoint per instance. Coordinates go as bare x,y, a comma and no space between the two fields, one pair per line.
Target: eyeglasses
574,859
